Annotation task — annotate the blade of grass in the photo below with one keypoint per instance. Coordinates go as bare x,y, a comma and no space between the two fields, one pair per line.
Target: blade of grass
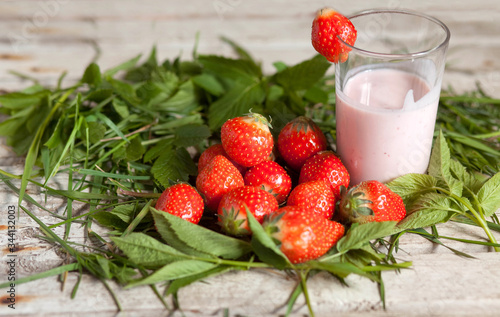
52,272
35,145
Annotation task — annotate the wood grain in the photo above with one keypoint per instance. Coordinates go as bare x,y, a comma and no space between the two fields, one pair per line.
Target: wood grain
43,39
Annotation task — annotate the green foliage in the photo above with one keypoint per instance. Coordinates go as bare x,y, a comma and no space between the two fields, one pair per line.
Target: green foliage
124,134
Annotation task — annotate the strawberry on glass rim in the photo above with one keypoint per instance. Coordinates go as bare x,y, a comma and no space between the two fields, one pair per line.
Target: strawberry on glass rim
328,26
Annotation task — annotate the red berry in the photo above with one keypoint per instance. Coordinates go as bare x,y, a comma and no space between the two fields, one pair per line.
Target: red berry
247,140
271,177
211,152
303,235
325,165
233,206
316,196
326,26
217,178
371,201
300,139
183,201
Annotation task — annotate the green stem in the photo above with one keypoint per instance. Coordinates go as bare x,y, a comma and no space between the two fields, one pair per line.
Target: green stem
303,283
477,217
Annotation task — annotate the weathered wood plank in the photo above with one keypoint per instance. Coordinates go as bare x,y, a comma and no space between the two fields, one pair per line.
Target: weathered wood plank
44,38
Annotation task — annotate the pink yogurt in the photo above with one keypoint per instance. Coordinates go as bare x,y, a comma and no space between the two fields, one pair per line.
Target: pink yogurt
385,124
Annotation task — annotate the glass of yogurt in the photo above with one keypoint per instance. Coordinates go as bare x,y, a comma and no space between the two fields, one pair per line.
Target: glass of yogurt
387,94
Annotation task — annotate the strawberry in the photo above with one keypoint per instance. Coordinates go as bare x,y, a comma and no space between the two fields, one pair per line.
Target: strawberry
300,139
211,152
371,201
325,165
271,177
247,139
181,200
217,178
327,27
302,235
233,206
316,196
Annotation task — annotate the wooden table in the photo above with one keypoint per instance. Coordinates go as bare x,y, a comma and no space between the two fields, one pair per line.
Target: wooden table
42,39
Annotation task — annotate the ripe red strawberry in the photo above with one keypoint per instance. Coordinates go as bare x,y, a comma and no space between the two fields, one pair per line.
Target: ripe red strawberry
271,177
303,235
300,139
371,201
326,26
247,139
183,201
217,178
316,196
325,165
211,152
233,206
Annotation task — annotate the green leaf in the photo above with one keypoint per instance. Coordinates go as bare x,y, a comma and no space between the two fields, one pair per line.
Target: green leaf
125,66
264,246
184,235
92,75
237,101
146,251
239,70
121,108
429,209
190,135
439,166
96,132
361,234
174,271
177,284
173,166
303,75
182,102
489,195
20,100
341,269
469,180
208,83
411,186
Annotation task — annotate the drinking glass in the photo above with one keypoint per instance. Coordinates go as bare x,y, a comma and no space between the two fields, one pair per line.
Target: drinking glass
387,94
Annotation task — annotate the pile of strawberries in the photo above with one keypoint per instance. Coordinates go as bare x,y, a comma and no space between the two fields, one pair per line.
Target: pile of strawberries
294,189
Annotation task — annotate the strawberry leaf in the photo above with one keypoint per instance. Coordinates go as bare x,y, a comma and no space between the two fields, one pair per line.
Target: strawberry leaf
174,271
264,246
303,75
195,239
147,251
361,234
439,166
429,209
489,195
236,102
173,165
411,186
177,284
191,134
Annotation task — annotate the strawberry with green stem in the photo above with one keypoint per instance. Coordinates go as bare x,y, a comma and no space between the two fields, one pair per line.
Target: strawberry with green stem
371,201
234,205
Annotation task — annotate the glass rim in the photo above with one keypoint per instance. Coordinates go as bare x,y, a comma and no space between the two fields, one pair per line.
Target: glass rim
417,54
